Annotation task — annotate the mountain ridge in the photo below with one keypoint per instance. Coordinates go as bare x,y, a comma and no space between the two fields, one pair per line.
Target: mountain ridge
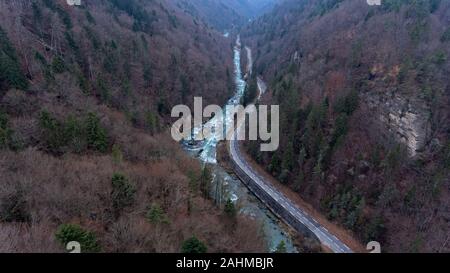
365,118
85,153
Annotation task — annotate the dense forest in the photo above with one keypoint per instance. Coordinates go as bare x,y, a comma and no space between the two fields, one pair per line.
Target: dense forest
226,15
85,95
364,93
85,99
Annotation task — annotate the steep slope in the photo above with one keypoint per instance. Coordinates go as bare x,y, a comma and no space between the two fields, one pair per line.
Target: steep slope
365,133
225,15
216,13
85,97
252,8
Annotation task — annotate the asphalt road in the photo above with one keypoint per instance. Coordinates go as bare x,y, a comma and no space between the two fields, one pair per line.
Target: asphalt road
324,236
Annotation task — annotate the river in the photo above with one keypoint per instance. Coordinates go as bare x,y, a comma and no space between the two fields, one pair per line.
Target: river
225,186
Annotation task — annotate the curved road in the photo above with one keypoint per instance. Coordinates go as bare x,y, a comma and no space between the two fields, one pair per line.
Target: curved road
324,236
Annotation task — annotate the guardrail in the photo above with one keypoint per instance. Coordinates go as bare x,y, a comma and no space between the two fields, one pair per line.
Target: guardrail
270,202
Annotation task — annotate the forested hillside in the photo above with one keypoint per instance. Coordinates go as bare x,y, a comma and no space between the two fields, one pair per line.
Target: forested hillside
364,92
85,97
225,15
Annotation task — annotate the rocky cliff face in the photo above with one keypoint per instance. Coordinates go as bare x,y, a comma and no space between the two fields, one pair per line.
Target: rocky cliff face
405,120
362,85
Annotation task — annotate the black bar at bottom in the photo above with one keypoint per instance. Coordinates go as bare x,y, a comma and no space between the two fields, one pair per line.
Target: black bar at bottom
225,262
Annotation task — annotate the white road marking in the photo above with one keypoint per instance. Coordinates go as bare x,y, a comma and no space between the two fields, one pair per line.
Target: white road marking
321,232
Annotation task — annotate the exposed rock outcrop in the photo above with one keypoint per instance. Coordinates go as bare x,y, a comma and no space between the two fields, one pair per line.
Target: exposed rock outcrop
405,119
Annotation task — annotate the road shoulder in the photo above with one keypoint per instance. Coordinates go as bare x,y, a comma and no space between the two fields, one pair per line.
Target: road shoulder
345,236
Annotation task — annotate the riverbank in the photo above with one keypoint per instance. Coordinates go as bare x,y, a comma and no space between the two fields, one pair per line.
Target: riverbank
225,186
302,242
